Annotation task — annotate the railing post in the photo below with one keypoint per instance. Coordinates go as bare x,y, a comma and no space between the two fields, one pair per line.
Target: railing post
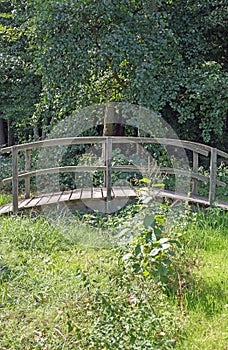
27,168
15,179
213,168
195,170
108,164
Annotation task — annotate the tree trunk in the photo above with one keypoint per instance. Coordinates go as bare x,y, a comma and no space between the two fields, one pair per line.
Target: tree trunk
2,134
109,119
10,136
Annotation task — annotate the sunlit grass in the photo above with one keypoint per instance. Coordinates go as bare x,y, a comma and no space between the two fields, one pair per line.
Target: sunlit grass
5,198
206,299
53,270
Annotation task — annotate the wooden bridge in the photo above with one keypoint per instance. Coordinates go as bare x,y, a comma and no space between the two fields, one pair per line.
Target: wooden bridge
101,198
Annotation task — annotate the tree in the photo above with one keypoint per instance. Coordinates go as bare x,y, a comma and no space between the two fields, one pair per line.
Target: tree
169,56
19,90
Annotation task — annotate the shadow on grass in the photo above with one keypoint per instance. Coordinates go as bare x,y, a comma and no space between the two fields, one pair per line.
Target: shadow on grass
205,297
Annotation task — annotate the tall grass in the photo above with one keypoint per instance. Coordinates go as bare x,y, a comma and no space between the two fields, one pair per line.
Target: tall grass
206,297
63,286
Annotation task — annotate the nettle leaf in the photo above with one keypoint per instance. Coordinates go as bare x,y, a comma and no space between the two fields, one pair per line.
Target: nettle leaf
127,256
136,267
149,221
166,246
164,240
138,249
155,252
175,242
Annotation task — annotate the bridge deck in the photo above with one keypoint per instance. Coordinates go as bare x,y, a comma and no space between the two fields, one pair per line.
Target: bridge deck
75,198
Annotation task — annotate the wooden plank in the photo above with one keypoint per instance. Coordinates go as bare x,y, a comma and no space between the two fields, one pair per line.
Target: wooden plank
97,193
213,168
179,196
223,205
195,170
54,198
100,194
118,192
129,192
24,202
43,201
6,208
27,169
65,196
76,194
15,178
33,202
86,193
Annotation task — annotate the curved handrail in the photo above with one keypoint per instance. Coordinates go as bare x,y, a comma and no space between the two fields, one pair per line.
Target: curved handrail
195,147
123,168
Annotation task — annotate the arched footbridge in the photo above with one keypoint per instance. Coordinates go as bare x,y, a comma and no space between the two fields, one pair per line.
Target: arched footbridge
100,196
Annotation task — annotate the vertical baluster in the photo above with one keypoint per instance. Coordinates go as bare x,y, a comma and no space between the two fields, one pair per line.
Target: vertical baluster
195,170
15,179
108,163
213,168
27,168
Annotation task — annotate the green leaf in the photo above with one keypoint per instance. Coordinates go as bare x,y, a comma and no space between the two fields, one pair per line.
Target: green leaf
149,221
136,267
138,249
145,180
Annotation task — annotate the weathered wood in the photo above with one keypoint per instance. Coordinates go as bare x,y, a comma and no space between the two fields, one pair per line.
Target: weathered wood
15,178
193,146
76,194
96,193
33,202
64,169
74,199
213,168
108,164
222,154
174,171
86,194
195,170
5,209
107,168
27,169
56,142
124,168
65,196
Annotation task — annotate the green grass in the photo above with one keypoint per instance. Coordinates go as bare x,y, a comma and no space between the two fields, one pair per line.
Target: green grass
62,287
5,198
206,299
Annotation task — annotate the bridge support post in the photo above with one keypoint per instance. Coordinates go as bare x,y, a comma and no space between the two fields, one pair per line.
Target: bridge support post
15,179
213,168
27,168
195,170
108,164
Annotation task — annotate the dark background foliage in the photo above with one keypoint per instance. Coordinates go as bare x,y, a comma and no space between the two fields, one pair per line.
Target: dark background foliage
168,56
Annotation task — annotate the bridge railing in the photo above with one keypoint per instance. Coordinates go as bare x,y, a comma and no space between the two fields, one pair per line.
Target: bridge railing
108,142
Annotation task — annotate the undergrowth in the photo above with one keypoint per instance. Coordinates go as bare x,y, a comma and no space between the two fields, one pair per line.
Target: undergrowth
136,280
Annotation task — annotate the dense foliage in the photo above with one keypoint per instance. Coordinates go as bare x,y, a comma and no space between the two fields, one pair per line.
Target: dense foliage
64,283
169,56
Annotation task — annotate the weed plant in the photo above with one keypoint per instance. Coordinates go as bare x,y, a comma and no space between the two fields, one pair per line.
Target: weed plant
140,279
